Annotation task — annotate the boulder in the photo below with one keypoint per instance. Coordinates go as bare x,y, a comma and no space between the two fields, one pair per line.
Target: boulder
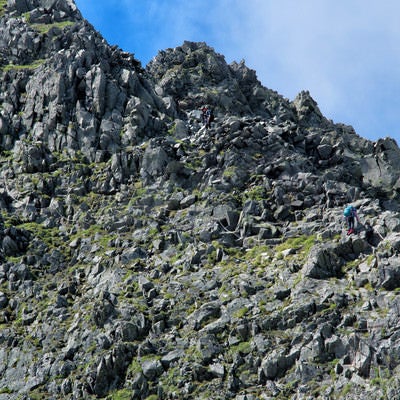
322,263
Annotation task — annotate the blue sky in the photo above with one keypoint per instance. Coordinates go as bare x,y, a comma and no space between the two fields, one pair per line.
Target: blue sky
345,52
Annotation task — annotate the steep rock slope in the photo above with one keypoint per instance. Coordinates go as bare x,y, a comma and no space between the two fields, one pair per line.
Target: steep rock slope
143,256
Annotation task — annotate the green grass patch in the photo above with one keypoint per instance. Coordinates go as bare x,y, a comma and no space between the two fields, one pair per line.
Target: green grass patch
304,242
170,382
98,236
370,259
345,391
27,17
243,348
37,394
123,394
351,265
258,254
241,312
134,368
3,4
256,193
301,244
36,64
44,28
49,236
6,155
171,130
229,172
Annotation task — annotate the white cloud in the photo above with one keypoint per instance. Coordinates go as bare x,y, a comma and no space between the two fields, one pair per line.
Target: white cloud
337,51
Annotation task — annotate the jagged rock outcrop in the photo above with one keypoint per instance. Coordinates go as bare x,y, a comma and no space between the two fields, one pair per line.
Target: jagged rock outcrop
64,87
193,75
144,256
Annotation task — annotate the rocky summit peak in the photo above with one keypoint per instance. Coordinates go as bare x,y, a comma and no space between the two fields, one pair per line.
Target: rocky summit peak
195,71
147,252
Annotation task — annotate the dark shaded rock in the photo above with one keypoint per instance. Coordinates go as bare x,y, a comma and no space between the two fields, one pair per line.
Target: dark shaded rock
9,246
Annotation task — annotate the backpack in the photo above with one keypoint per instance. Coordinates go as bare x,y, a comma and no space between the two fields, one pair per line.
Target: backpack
348,211
211,118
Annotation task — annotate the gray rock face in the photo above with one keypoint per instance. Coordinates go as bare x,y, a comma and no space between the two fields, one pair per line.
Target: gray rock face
323,263
143,255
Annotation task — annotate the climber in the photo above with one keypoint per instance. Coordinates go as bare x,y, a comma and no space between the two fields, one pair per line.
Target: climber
350,213
210,117
207,116
204,116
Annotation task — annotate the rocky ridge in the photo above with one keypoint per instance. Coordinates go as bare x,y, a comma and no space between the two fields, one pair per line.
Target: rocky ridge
144,257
